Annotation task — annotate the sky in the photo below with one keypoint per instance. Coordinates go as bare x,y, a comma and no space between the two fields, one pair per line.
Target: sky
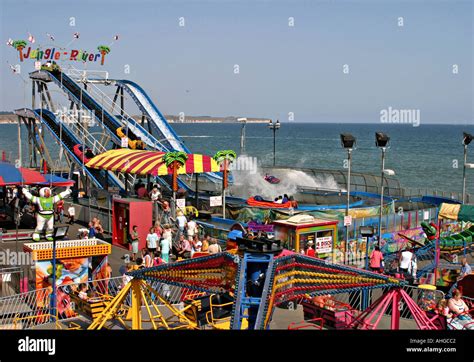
283,71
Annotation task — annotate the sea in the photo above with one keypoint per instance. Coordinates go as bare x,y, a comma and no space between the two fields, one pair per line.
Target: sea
428,156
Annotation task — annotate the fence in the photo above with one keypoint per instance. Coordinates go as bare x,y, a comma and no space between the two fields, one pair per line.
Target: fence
419,192
32,309
10,280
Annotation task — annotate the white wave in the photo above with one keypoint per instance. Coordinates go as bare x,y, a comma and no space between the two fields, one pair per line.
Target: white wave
249,183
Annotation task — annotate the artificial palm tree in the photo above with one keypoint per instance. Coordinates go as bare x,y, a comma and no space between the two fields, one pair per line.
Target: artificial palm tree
103,49
19,45
175,160
224,158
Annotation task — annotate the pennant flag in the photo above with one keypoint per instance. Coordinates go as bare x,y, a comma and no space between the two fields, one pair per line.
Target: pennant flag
31,38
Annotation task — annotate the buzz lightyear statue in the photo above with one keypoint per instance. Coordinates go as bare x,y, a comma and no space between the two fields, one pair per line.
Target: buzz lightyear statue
45,215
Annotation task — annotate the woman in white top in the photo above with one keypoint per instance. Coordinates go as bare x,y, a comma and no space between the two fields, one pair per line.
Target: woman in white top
463,319
191,227
152,240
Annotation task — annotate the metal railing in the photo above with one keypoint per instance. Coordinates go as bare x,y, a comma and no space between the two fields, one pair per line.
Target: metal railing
32,309
419,192
10,280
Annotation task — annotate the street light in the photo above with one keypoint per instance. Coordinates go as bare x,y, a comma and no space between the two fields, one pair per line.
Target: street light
467,138
381,141
366,232
348,142
274,127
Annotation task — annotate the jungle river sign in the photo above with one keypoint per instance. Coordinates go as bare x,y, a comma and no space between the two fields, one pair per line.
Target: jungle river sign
55,54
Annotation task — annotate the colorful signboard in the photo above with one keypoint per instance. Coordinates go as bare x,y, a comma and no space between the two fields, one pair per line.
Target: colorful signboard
254,226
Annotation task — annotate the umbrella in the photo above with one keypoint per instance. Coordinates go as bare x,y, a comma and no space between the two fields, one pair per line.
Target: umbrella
13,176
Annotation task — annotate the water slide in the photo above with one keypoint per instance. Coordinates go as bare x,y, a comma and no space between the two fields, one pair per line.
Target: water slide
110,122
68,140
157,123
84,97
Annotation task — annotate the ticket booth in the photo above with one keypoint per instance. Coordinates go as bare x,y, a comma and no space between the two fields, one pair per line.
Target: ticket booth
298,230
126,213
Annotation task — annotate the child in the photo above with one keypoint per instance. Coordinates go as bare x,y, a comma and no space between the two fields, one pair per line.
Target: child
443,309
83,291
157,259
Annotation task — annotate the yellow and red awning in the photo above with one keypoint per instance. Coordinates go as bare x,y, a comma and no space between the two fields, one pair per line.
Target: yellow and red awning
149,162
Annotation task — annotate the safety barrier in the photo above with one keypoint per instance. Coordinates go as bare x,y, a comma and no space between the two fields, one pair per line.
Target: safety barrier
32,309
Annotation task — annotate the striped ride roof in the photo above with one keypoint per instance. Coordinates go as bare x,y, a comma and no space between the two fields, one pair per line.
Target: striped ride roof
149,162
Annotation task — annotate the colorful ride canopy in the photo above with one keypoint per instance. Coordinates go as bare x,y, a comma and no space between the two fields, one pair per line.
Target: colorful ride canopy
456,212
142,162
10,175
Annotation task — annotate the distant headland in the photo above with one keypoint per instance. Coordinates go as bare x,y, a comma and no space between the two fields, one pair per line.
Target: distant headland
11,118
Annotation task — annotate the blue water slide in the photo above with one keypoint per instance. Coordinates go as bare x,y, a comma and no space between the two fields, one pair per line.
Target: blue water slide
68,140
157,121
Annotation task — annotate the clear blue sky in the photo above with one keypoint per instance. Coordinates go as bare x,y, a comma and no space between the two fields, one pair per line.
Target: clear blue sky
282,69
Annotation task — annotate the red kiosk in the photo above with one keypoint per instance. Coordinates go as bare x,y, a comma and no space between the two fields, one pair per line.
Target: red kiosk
126,213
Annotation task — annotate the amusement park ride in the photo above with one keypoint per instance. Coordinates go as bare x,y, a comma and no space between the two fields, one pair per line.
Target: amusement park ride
236,289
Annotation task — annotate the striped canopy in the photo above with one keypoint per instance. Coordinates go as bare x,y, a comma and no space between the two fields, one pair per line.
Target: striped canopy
149,162
11,176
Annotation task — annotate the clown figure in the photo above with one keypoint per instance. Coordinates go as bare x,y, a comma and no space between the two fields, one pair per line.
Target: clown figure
45,215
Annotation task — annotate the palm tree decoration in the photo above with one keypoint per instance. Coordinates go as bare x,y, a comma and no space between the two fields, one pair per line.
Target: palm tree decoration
175,160
19,45
103,49
224,158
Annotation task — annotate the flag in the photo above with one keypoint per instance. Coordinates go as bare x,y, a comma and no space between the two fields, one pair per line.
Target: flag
50,36
31,38
76,35
116,37
10,42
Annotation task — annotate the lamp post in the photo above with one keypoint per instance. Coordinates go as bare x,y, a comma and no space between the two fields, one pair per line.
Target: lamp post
467,138
274,127
381,141
348,142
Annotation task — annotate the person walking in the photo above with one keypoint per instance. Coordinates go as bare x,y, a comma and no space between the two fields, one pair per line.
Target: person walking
405,261
71,214
152,240
165,244
60,211
135,241
376,258
182,221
